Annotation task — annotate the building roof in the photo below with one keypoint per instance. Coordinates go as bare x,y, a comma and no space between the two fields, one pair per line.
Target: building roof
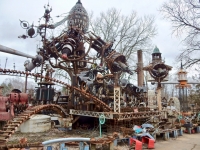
156,51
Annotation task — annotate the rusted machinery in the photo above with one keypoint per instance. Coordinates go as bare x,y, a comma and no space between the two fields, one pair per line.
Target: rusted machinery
15,103
158,70
96,88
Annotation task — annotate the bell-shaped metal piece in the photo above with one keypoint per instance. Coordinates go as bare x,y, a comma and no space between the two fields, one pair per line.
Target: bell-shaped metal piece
78,17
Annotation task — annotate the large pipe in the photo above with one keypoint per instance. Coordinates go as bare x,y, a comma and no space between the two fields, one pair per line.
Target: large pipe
63,140
14,52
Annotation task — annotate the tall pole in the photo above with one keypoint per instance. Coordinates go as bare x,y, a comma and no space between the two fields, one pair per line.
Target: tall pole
140,68
158,97
186,99
25,88
183,99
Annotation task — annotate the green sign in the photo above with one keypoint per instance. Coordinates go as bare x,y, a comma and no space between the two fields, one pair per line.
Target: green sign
102,120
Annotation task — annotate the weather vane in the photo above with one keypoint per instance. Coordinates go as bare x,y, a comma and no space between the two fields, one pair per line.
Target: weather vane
32,31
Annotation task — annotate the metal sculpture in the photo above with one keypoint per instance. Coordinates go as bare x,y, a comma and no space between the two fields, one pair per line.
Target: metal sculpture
157,68
96,89
183,87
158,71
13,104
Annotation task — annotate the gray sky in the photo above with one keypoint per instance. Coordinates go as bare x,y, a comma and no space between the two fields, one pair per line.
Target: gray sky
31,10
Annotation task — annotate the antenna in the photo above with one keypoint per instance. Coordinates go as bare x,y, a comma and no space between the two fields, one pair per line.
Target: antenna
6,63
14,66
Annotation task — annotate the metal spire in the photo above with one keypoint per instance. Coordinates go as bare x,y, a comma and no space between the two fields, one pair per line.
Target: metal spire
181,65
78,17
79,2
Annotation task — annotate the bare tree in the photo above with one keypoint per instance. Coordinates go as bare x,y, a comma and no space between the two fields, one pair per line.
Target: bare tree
15,83
185,18
130,32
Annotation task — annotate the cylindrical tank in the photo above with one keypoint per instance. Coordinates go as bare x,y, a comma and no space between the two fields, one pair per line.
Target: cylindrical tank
23,98
14,98
36,123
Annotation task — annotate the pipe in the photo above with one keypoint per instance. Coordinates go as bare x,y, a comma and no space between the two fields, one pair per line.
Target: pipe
58,23
63,140
14,52
25,88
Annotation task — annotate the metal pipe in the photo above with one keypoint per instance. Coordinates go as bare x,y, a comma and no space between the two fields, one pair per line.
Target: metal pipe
14,52
59,23
63,140
25,88
186,99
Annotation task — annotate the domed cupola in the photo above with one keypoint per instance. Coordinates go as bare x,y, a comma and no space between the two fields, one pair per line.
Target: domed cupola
156,55
78,17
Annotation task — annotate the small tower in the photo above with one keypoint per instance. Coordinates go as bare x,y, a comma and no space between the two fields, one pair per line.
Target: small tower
183,87
182,76
156,55
158,70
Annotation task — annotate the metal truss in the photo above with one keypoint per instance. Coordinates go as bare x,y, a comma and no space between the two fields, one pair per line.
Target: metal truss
136,115
117,116
91,113
117,99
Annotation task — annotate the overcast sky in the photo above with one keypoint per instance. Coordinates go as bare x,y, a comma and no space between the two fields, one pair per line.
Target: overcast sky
31,10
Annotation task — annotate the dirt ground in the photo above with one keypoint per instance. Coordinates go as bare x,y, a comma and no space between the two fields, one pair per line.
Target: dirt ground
185,142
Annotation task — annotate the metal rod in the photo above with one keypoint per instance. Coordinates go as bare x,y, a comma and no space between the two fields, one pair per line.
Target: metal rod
186,100
25,88
183,99
100,128
6,63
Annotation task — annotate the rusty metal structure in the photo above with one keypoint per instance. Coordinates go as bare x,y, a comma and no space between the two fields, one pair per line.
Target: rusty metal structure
158,71
96,89
183,86
15,103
